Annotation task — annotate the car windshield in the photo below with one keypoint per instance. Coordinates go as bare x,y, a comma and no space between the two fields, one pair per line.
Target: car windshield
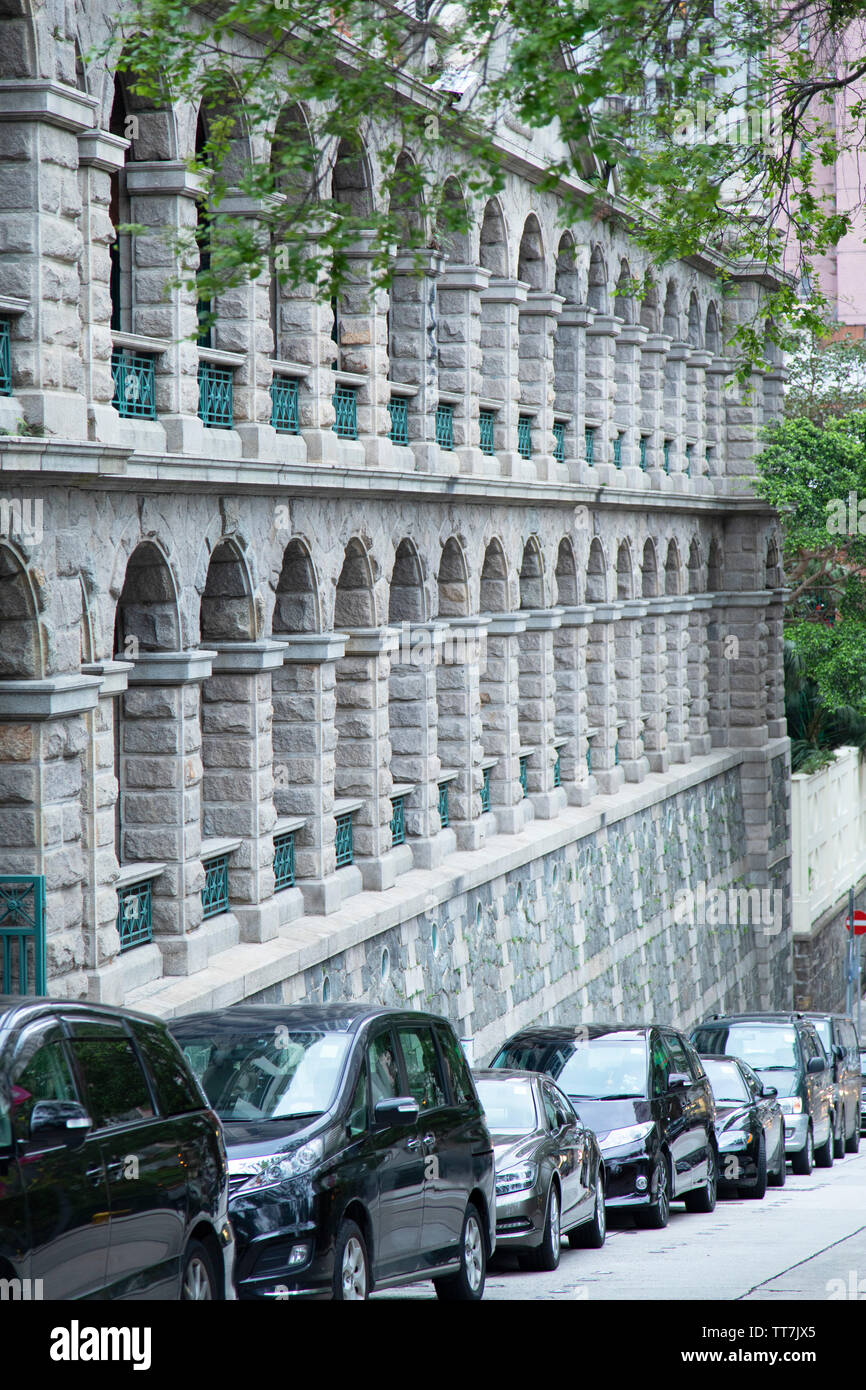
726,1080
765,1046
272,1074
508,1105
605,1069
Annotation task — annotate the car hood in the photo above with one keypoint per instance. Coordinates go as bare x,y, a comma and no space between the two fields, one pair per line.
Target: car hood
605,1115
511,1149
729,1114
786,1082
257,1138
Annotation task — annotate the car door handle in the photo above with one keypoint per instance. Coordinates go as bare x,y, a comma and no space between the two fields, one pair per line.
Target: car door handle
95,1175
430,1139
413,1144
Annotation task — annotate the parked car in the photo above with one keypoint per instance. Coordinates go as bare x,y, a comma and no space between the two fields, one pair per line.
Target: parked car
113,1173
785,1051
549,1169
358,1151
863,1089
643,1091
839,1037
749,1127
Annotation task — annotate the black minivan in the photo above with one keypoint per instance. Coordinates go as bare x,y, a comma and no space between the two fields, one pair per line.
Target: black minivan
113,1173
359,1157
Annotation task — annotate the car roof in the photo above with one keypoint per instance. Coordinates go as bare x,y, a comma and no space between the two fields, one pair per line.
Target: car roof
508,1074
340,1017
560,1032
765,1016
17,1010
837,1018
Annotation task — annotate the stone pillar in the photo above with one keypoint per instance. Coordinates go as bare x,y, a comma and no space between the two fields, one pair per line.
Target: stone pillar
774,393
677,648
744,407
43,735
161,774
238,781
674,423
601,338
747,713
460,733
700,740
501,731
500,368
412,347
40,227
537,709
304,323
536,329
629,693
304,739
652,402
718,669
569,357
697,364
363,352
413,728
570,642
716,466
654,684
629,356
458,328
162,195
363,755
777,725
99,155
602,713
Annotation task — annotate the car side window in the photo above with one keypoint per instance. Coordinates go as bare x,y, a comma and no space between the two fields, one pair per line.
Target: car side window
808,1046
356,1123
565,1107
695,1064
457,1067
549,1109
659,1066
117,1088
423,1070
176,1091
679,1059
384,1073
40,1071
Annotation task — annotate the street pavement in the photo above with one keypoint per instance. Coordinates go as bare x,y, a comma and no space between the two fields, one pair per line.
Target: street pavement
805,1241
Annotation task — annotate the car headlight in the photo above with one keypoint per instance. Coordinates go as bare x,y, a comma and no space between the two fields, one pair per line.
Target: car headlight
791,1105
735,1138
630,1135
276,1168
515,1179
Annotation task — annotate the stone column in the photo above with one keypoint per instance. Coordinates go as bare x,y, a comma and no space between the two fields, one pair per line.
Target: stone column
674,424
747,713
500,368
537,709
363,759
629,693
412,346
677,647
570,642
364,350
304,739
536,329
99,155
654,684
304,322
40,227
501,731
774,393
602,713
652,401
629,356
700,741
777,725
716,465
161,773
460,732
238,781
413,728
569,356
43,734
718,669
697,364
458,328
601,337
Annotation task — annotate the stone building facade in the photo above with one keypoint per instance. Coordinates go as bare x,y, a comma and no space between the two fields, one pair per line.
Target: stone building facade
442,664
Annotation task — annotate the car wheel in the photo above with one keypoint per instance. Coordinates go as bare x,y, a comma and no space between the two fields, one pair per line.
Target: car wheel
803,1162
591,1235
778,1178
704,1198
824,1153
351,1266
546,1257
839,1139
852,1143
467,1285
655,1216
757,1189
198,1284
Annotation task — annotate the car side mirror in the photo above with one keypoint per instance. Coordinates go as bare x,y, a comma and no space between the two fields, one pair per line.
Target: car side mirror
814,1066
395,1111
769,1092
678,1080
59,1123
839,1052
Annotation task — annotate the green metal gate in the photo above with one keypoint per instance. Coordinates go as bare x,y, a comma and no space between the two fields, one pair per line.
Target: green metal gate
22,934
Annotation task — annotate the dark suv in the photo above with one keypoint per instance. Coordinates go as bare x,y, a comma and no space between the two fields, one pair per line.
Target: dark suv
358,1151
787,1053
839,1037
113,1174
643,1091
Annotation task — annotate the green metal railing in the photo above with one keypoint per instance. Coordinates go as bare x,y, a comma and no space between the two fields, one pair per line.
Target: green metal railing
485,789
344,843
345,401
5,357
524,436
215,894
667,456
643,443
617,451
557,769
443,804
559,437
445,426
398,821
521,776
690,449
399,408
616,753
22,934
134,385
135,914
284,861
215,396
284,405
589,443
589,759
486,422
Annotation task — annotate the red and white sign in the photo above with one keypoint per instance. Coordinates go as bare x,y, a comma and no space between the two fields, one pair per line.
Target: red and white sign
859,922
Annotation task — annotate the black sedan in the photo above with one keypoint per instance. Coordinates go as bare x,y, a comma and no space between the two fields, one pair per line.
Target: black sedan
643,1091
549,1169
749,1126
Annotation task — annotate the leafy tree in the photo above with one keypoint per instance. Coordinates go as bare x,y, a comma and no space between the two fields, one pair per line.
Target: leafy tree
816,724
826,378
